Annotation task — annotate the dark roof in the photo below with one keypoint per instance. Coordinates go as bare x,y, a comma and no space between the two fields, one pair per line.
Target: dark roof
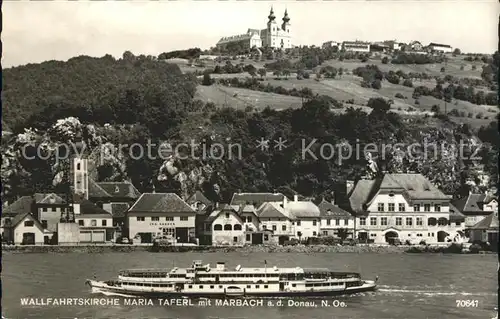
488,223
440,45
199,197
256,199
328,209
161,203
472,204
20,206
20,217
89,208
120,189
271,210
96,191
455,214
118,210
413,186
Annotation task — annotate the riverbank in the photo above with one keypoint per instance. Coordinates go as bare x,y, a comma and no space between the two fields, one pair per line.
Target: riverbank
300,249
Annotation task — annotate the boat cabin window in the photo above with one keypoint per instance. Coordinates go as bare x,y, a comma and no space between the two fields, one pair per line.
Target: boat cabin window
212,287
265,286
294,285
201,286
257,286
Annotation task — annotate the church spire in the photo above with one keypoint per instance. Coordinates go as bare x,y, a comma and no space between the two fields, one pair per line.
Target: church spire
286,19
271,15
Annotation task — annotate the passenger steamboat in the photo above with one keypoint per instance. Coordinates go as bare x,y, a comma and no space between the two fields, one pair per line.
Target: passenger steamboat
203,281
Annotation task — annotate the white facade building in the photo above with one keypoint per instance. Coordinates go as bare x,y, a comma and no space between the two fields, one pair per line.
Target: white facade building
333,219
403,206
436,47
357,46
274,35
161,215
306,217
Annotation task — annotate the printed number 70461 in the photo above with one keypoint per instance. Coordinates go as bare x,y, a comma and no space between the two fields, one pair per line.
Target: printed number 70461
467,303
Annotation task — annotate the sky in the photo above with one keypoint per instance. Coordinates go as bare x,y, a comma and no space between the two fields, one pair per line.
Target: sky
34,32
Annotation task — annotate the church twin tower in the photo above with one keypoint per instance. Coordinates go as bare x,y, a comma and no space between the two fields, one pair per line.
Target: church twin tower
276,36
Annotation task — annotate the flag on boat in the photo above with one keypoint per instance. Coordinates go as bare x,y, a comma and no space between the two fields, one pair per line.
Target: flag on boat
265,262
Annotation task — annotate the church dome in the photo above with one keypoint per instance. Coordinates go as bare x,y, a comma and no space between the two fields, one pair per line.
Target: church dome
271,15
286,18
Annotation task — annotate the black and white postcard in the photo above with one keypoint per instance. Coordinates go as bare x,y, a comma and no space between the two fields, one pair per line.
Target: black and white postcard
250,159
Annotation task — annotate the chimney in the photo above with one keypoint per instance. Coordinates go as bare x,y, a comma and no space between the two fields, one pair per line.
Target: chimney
295,198
285,202
332,198
349,185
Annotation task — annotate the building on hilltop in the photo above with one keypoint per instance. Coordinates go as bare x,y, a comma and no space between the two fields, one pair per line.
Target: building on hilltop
356,46
274,36
442,48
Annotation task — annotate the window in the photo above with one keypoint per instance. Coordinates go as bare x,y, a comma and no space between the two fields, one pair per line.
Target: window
346,221
217,227
328,222
283,227
237,227
228,227
248,238
362,221
399,221
298,223
274,227
184,218
419,221
383,221
457,223
249,219
211,287
248,286
325,233
140,219
266,237
93,222
80,222
437,208
155,219
380,207
257,286
294,285
104,222
337,222
314,222
401,207
44,209
29,223
264,227
391,207
201,286
427,207
416,207
169,219
78,166
409,221
373,221
54,209
227,215
314,233
44,223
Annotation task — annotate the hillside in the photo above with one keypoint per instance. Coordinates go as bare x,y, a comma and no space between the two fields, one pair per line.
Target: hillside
137,100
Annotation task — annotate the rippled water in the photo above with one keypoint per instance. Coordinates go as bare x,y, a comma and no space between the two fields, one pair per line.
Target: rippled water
410,286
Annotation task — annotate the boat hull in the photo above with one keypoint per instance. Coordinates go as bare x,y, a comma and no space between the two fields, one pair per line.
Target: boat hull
102,287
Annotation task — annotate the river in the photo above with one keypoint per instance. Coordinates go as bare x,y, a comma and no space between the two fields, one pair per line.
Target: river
410,285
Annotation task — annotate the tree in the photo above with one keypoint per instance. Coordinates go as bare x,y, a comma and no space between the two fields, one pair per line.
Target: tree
379,104
436,109
207,80
343,233
377,84
457,51
385,60
443,69
286,73
262,72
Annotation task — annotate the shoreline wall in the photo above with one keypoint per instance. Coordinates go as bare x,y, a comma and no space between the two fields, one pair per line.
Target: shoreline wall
88,249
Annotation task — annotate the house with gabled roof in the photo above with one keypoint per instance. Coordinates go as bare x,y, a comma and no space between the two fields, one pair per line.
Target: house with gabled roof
25,229
234,225
476,207
305,215
95,224
403,206
161,215
438,47
335,220
273,217
486,230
